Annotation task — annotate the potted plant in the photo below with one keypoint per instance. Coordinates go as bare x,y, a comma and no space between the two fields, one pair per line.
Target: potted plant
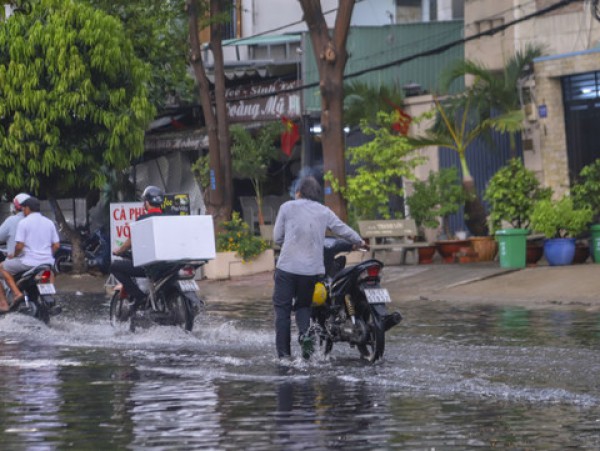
586,191
560,222
239,252
439,196
511,194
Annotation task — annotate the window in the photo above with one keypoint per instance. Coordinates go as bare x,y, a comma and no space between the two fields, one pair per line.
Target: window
231,29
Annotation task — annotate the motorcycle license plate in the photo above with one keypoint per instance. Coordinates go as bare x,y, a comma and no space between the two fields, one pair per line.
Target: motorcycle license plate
46,288
188,285
377,295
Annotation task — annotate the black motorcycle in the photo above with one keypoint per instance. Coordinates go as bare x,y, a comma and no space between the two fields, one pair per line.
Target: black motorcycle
353,308
37,286
172,298
96,248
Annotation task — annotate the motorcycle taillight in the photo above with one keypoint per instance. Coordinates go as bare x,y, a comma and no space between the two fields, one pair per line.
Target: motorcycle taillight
373,271
187,272
44,276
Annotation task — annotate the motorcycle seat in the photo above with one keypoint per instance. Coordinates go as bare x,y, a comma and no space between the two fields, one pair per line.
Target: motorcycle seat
33,271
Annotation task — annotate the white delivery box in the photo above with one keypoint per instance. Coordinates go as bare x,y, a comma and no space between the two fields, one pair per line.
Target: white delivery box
169,238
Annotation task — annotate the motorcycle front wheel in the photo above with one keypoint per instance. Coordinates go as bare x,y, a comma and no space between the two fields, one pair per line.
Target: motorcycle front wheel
181,314
63,263
372,349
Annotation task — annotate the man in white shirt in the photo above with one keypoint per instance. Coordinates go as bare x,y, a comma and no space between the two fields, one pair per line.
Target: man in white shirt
36,242
8,229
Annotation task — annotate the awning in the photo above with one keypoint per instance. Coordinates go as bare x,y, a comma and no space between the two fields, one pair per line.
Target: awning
265,40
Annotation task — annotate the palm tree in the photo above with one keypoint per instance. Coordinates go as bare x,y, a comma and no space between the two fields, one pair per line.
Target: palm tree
456,129
494,92
363,101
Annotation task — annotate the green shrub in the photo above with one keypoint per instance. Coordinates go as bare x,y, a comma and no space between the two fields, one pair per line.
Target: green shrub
587,190
560,219
236,237
512,193
439,196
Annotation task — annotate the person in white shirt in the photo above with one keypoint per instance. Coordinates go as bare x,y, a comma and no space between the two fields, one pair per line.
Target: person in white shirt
36,242
8,229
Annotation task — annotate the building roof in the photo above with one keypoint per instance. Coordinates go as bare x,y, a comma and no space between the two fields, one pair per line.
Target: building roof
265,40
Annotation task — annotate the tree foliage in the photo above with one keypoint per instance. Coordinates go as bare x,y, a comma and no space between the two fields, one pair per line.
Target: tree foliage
251,155
441,195
560,219
73,97
158,32
362,101
586,191
512,192
380,166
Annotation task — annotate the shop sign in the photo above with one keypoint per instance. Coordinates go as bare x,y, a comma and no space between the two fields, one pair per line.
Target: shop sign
263,102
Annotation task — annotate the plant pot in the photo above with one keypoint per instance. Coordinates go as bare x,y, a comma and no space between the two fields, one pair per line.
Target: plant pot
426,254
449,248
486,247
534,252
582,252
559,251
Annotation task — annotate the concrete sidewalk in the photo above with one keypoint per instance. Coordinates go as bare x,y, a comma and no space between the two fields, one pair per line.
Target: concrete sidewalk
535,287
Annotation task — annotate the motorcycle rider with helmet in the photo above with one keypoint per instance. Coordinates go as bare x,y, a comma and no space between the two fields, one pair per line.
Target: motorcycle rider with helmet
8,230
123,269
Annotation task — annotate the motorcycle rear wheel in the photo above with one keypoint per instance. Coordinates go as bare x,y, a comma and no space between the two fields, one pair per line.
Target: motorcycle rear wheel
119,309
372,350
34,309
181,314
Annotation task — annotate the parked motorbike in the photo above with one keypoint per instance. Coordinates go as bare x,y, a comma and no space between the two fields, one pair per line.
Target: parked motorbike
353,306
96,247
172,297
37,285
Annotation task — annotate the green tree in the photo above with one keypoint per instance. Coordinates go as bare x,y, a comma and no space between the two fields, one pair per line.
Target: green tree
441,195
73,101
494,92
456,128
158,32
362,101
329,48
586,191
512,192
213,14
380,166
251,155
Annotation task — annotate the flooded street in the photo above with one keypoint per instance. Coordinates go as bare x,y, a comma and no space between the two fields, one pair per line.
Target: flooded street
452,378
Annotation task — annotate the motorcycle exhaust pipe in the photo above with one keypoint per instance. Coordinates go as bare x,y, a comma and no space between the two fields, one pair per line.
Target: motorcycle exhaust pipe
391,320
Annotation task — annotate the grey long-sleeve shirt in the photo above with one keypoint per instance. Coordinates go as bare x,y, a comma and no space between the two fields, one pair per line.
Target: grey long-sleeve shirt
300,231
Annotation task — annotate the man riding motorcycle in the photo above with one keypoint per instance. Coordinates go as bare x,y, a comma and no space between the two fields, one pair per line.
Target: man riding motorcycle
123,270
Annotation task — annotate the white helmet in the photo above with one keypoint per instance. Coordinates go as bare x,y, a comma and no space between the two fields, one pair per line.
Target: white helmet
19,199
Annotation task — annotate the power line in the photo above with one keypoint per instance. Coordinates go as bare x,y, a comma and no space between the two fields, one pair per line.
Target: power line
440,49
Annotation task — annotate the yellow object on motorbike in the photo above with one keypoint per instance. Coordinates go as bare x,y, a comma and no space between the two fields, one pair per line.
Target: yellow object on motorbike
320,294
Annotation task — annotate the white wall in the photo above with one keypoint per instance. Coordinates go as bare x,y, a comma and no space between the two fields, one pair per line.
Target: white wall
259,16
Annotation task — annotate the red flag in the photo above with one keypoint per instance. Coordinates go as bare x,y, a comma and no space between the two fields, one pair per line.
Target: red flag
403,122
290,135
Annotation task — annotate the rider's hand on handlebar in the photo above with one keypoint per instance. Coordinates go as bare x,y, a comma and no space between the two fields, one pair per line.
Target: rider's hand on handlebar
361,247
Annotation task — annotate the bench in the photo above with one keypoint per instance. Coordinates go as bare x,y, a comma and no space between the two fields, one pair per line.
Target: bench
391,235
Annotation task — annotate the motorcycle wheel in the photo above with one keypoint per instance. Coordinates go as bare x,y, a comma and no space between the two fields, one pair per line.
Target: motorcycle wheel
181,314
63,263
119,309
34,309
372,350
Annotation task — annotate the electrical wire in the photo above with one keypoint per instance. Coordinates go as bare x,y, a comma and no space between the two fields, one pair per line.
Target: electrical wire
440,49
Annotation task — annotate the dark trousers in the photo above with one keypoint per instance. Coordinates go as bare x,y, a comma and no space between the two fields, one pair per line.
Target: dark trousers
291,292
125,272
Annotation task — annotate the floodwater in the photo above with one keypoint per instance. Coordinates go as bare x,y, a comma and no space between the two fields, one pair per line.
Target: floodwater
452,378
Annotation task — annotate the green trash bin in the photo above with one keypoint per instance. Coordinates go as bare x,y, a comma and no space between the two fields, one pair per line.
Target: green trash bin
595,245
512,247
